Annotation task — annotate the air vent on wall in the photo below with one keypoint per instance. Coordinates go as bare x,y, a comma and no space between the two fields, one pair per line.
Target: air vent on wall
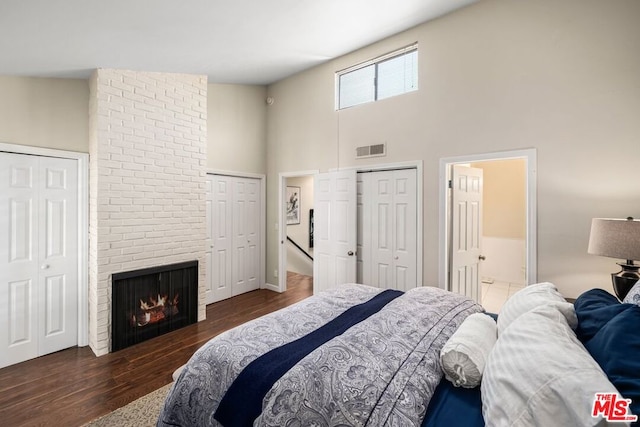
375,150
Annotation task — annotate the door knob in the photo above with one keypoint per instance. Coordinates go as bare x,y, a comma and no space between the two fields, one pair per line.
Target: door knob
44,266
350,253
482,257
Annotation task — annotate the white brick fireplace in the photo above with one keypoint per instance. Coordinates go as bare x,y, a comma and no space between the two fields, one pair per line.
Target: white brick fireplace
147,151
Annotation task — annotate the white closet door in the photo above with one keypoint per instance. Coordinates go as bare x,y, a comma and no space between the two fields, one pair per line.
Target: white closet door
246,235
19,267
233,236
38,256
389,229
222,238
209,246
405,229
58,248
363,269
254,242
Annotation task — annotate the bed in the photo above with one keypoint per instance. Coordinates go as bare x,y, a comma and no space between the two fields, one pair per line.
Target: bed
362,356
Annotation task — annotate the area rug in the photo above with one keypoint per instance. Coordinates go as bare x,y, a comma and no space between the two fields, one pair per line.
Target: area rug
139,413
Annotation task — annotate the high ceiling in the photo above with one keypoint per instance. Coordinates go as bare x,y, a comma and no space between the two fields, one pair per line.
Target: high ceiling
232,41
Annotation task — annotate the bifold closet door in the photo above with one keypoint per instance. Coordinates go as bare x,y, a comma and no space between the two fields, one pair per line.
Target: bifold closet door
233,236
39,256
387,201
246,235
219,223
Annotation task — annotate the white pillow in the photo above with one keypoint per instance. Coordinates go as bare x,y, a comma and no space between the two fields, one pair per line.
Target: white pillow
539,374
465,354
633,297
530,297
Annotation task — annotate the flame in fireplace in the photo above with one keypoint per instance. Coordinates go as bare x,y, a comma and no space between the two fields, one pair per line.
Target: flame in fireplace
161,301
155,310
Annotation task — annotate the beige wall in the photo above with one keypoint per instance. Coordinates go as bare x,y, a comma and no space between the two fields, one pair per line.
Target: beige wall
236,128
54,113
504,206
51,113
560,77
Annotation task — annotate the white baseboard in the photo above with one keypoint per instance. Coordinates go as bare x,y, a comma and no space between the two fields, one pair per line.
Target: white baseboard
271,287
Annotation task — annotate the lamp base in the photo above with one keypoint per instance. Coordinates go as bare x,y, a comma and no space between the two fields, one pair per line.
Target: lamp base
624,280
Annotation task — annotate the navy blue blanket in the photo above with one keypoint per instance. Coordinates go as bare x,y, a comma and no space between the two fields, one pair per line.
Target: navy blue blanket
453,406
242,403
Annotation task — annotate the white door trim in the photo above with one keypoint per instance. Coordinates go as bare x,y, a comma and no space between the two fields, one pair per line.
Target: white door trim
83,225
263,213
530,157
282,227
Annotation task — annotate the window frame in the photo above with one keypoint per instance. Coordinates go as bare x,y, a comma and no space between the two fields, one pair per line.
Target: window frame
375,62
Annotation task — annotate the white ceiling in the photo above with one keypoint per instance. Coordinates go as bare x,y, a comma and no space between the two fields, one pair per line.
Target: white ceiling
230,41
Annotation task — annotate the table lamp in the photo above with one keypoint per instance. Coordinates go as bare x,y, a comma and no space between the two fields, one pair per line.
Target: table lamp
618,238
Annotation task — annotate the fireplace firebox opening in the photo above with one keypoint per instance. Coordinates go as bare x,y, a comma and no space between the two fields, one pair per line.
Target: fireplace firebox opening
153,301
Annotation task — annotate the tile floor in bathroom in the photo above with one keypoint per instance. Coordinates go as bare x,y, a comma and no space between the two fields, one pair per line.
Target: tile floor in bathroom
495,294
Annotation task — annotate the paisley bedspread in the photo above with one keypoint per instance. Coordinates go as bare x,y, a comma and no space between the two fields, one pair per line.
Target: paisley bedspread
381,371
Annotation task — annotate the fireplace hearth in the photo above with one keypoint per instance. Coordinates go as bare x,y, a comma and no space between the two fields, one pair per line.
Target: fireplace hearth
153,301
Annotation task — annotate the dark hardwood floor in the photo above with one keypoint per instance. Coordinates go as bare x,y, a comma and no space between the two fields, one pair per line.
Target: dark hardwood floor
73,386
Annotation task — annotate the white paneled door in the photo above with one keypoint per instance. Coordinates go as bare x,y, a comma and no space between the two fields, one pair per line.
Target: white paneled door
466,230
246,235
219,239
335,229
233,236
388,229
38,256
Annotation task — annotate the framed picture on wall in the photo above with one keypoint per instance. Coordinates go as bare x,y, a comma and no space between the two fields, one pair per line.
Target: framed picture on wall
293,205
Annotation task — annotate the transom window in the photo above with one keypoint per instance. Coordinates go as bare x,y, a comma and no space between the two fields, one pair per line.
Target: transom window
389,75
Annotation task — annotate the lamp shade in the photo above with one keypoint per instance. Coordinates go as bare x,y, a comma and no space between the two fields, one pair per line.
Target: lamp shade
615,238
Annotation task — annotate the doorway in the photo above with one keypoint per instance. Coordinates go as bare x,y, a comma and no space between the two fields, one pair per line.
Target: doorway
508,244
299,225
295,225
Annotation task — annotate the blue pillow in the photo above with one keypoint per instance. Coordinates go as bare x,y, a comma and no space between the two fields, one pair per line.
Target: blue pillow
610,331
594,309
